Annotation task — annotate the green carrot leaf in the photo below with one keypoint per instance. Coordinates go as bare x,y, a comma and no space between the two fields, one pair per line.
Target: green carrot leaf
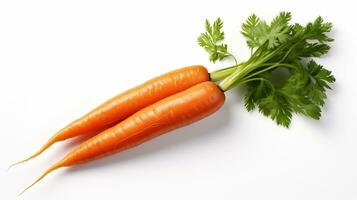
212,39
250,31
258,31
300,88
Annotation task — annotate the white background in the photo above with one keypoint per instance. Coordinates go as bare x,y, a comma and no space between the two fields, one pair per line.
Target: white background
59,59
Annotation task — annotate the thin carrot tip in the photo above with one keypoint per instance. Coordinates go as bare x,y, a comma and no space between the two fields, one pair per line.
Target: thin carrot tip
22,161
23,191
40,178
16,163
32,156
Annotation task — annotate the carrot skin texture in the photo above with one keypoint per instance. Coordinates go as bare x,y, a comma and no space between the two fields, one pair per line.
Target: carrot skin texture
161,117
171,113
125,104
132,100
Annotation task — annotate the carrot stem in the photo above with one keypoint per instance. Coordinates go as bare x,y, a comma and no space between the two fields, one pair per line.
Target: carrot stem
221,74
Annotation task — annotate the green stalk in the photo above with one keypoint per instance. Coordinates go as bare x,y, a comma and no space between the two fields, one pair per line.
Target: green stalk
258,61
221,74
269,66
235,76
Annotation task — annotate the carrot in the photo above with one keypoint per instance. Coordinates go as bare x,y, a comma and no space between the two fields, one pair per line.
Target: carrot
125,104
161,117
274,45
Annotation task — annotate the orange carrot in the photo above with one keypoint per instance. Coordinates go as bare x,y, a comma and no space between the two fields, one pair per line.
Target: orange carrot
120,107
161,117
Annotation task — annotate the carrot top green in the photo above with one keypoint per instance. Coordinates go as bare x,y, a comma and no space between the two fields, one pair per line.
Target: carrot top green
281,75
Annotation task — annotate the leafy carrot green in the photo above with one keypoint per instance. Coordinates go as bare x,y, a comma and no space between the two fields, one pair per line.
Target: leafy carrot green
212,39
278,45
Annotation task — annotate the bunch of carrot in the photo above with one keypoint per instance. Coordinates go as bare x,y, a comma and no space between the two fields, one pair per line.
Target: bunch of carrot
186,95
167,102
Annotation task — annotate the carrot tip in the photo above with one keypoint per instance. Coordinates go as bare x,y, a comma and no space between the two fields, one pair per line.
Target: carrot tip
43,148
54,167
16,163
22,161
23,191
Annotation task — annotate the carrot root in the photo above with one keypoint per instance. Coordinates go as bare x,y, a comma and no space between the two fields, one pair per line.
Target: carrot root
170,113
43,148
54,167
121,106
